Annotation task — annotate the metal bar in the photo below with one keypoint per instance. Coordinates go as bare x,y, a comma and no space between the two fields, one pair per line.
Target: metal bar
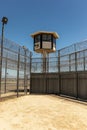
84,60
30,61
25,86
6,73
1,57
44,61
30,69
69,62
59,61
47,62
75,58
18,65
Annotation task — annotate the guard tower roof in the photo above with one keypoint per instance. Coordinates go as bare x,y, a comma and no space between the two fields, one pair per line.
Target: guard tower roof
45,32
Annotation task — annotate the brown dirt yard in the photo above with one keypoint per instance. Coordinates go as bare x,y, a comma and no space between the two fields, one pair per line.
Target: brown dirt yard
42,112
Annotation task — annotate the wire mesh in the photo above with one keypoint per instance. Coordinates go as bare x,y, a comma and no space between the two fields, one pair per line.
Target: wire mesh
71,58
18,62
15,72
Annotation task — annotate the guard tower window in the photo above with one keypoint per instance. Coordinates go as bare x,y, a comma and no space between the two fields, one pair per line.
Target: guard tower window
37,38
54,40
46,37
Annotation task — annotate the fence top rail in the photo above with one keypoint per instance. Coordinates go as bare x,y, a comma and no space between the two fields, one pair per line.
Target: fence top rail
14,47
76,47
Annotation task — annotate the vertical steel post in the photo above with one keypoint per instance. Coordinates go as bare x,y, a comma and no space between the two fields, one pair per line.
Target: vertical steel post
75,58
76,70
47,62
44,61
75,61
18,65
25,86
84,60
59,61
69,62
1,56
4,21
30,61
59,72
30,69
5,72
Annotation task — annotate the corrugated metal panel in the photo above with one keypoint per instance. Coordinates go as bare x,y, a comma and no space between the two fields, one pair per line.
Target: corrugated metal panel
38,83
82,85
68,84
72,84
53,83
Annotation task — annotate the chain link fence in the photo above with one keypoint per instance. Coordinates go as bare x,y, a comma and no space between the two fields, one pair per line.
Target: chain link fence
18,63
15,71
65,72
71,58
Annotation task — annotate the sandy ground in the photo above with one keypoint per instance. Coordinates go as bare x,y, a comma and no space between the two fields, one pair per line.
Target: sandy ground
47,112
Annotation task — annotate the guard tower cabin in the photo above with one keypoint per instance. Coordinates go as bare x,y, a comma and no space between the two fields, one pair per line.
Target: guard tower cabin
44,42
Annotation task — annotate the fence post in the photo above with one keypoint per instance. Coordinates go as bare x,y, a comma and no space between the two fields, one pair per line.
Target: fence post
59,61
75,58
69,62
84,60
47,62
30,70
1,56
44,61
76,70
6,72
0,71
18,64
30,62
59,72
25,87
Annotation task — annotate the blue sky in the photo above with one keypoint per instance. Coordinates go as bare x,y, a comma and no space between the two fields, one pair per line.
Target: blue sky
67,17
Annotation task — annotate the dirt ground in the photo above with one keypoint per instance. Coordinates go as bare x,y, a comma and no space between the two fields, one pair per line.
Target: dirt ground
42,112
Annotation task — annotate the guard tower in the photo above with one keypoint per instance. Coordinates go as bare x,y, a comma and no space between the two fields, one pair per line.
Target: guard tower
44,43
